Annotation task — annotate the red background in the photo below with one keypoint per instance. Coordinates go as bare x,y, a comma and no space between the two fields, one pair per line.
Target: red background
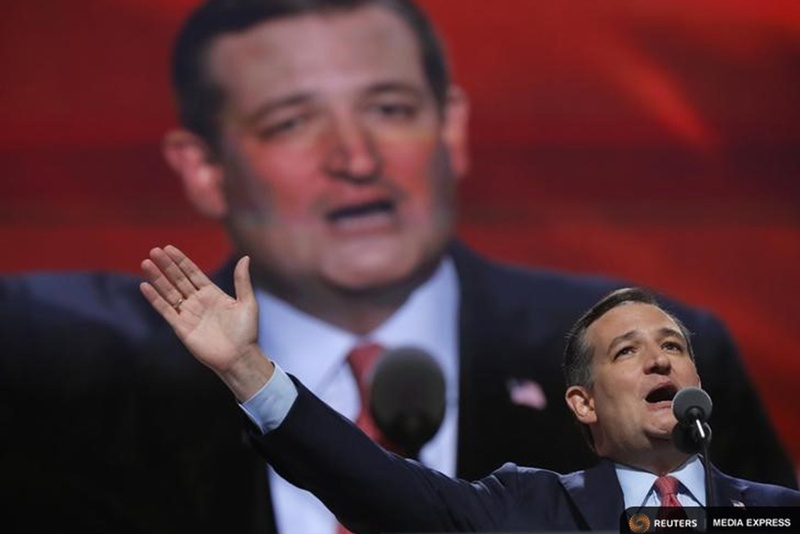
657,141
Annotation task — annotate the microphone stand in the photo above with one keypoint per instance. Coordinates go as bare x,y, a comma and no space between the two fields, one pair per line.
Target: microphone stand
704,436
691,407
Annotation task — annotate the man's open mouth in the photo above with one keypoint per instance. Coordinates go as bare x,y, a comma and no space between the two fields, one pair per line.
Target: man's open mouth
664,392
366,214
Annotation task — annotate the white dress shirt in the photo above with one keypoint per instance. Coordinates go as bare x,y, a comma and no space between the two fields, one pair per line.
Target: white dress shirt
315,352
637,485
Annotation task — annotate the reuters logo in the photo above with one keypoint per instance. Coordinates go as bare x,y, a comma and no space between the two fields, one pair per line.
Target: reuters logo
639,523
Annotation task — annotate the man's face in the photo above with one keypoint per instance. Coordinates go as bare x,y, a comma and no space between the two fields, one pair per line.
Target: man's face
336,164
640,361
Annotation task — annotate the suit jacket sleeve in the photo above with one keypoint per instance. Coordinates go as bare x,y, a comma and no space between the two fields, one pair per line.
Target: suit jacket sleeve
370,489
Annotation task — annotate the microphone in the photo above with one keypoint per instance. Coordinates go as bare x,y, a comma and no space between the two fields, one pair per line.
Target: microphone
407,397
691,404
692,408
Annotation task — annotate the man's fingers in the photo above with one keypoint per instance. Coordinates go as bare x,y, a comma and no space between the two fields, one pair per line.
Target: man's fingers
160,283
241,280
158,302
192,272
172,272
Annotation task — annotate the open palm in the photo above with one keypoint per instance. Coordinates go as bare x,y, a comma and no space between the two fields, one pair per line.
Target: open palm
215,327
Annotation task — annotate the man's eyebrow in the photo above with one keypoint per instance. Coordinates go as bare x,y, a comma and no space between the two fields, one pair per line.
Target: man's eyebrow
627,336
274,105
395,87
304,98
663,332
668,332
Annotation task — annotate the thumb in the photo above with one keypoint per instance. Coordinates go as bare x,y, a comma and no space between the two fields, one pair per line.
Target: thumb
241,280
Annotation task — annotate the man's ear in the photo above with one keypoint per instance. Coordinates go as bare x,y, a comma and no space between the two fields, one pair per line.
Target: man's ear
190,158
581,402
455,129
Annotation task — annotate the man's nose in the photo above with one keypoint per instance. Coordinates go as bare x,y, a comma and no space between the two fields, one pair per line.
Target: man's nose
657,362
353,153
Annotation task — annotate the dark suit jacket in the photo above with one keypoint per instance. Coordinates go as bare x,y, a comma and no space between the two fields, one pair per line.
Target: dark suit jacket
371,490
107,424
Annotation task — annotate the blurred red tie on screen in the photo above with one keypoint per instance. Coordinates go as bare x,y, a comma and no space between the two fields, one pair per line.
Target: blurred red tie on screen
362,360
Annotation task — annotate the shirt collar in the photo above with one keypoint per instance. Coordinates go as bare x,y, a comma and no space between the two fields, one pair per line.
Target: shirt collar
314,350
637,485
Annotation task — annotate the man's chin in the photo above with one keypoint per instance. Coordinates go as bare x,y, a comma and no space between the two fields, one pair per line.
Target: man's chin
368,280
660,433
372,268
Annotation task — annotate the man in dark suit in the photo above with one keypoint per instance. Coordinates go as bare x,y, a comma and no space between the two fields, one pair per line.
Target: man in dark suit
625,360
110,424
327,138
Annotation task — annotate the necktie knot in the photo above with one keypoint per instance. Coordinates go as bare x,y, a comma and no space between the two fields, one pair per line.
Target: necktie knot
667,489
361,361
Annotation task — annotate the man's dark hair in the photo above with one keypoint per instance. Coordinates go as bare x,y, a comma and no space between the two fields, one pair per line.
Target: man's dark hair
578,352
199,99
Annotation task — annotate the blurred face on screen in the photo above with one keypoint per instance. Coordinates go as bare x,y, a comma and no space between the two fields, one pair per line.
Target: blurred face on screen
640,361
336,169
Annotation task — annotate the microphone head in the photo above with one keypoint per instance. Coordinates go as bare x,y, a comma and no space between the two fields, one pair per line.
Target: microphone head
691,403
407,397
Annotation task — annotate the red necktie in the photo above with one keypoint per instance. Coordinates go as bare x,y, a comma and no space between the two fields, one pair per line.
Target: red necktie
667,489
361,361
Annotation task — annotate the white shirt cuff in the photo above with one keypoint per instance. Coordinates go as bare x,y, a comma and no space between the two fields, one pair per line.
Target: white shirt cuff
269,406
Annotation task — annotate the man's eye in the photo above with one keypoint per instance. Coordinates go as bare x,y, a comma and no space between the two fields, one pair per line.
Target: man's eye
282,127
624,351
673,346
398,111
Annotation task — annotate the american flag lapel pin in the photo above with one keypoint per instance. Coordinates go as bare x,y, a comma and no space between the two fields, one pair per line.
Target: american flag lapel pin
524,392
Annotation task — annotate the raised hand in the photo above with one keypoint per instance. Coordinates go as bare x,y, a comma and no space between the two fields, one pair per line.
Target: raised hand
220,331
